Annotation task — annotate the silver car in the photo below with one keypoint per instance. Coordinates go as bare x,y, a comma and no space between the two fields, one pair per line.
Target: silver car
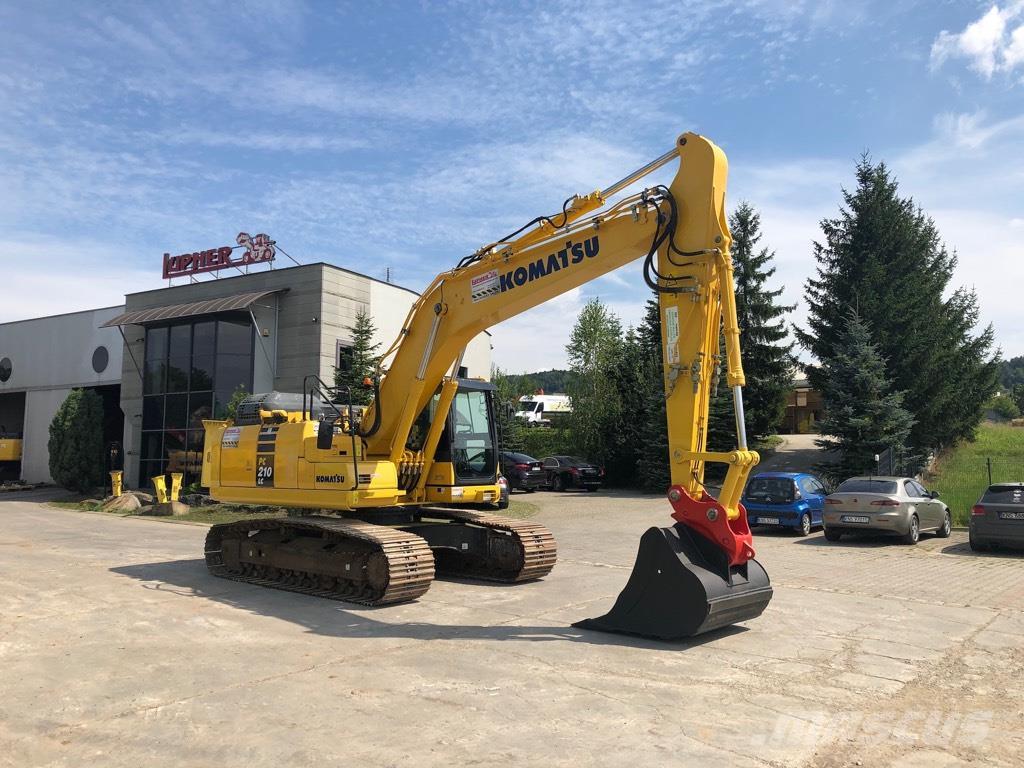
896,505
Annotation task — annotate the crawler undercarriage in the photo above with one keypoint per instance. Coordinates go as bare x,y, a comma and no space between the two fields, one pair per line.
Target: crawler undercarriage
351,559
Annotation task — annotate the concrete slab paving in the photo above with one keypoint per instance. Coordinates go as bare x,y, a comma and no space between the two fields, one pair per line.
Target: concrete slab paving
118,648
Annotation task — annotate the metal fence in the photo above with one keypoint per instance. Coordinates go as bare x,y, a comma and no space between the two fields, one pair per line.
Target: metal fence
899,461
960,485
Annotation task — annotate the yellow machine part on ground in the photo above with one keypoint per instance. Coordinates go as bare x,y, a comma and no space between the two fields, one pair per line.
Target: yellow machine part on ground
10,449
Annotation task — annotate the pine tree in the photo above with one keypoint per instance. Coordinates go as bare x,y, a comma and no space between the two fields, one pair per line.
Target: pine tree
863,415
594,346
624,438
359,360
76,442
506,400
882,256
767,356
722,414
652,453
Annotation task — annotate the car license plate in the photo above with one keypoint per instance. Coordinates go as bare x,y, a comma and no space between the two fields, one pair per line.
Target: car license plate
1011,515
855,519
768,520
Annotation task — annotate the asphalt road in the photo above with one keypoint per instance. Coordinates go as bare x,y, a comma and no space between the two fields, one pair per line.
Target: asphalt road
118,649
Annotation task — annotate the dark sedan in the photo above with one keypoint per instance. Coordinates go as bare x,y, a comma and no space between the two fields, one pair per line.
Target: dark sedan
523,472
564,472
998,517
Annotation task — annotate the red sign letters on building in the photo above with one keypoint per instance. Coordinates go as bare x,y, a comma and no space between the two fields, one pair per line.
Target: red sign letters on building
258,249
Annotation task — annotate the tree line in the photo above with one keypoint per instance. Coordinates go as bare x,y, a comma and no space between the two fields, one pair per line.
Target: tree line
892,346
890,343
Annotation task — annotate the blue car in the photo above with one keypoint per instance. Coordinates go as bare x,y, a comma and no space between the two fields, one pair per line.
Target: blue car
785,499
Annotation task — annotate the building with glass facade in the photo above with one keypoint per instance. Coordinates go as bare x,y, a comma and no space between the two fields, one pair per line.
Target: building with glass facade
175,356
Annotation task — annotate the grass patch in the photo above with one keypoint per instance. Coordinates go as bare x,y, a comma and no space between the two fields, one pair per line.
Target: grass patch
961,475
229,513
519,509
223,513
88,506
768,444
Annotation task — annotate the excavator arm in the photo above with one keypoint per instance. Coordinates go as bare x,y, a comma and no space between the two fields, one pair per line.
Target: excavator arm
682,234
699,574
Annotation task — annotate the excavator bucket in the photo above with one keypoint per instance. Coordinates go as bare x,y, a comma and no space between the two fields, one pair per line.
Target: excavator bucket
681,586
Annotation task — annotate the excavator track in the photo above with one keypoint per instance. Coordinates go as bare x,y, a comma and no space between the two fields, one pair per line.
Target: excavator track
509,550
328,557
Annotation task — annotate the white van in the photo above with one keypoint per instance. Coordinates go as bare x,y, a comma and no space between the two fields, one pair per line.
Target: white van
539,410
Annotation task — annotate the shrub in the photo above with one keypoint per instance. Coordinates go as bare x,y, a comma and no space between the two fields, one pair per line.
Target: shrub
540,442
1003,406
76,442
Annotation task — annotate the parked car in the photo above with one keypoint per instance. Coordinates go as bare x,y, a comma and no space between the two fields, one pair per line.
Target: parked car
523,472
895,505
503,492
563,472
785,499
998,517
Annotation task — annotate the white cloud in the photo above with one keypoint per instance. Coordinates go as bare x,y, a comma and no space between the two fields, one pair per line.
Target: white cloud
51,276
987,43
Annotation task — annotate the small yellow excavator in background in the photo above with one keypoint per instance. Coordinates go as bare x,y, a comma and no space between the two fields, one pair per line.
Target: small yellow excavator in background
406,476
10,454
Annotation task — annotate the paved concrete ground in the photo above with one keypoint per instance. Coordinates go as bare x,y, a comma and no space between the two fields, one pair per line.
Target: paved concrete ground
117,649
796,453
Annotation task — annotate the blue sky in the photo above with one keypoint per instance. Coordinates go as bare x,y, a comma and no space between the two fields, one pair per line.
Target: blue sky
405,135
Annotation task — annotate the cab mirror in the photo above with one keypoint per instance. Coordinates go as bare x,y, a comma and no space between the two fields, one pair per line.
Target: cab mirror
933,495
325,435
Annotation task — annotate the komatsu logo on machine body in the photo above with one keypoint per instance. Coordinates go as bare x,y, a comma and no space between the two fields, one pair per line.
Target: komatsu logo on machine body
573,253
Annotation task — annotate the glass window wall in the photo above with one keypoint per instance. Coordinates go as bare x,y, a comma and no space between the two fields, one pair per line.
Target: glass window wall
191,370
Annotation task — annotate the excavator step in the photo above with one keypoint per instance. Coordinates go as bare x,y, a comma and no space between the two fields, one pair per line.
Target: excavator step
323,556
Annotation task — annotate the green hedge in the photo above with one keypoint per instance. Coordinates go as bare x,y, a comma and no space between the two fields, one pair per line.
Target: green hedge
542,441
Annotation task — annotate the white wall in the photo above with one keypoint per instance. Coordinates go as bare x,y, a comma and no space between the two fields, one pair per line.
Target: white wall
57,351
50,356
40,407
389,306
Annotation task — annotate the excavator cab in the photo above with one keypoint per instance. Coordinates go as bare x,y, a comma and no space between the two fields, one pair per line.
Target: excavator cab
465,461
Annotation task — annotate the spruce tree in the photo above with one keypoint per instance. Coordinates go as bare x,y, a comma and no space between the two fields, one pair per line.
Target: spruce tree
76,442
882,255
652,454
721,413
593,349
624,435
863,415
359,360
767,356
506,401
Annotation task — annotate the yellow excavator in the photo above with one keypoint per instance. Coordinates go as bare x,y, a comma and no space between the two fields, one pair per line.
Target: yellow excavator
405,486
10,454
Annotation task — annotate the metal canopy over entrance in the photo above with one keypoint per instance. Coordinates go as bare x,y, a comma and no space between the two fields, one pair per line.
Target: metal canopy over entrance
237,302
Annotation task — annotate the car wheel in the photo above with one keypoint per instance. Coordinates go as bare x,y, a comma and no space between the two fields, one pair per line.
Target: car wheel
914,534
946,527
529,490
805,525
557,484
977,546
831,534
591,490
